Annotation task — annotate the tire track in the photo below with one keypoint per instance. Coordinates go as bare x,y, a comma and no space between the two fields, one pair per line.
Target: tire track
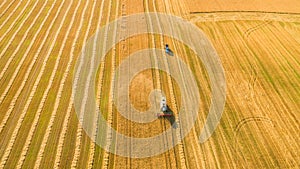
251,30
79,127
22,116
26,76
271,101
244,121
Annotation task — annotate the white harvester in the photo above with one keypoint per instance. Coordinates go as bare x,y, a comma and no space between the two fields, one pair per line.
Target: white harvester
165,111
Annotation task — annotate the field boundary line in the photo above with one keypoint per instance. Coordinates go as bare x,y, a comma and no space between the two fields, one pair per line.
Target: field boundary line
22,116
244,15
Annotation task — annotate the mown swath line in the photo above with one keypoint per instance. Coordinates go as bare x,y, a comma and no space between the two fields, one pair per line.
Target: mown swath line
108,141
94,128
22,116
79,127
21,25
49,127
4,3
21,42
58,98
11,13
26,76
4,11
68,114
12,79
44,97
7,115
184,162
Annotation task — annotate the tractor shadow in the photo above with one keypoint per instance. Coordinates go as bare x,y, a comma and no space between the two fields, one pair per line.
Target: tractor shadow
170,52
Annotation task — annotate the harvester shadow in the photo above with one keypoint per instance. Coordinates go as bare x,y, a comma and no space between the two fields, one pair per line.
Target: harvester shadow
171,119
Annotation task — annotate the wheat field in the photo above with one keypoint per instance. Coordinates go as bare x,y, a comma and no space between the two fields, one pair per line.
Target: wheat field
259,47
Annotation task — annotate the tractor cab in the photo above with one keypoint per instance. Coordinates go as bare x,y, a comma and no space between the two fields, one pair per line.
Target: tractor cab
168,50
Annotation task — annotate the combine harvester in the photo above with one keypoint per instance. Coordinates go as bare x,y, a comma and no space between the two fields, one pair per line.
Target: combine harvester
164,108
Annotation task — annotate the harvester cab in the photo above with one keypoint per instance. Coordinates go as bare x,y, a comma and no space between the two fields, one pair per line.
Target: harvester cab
165,111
